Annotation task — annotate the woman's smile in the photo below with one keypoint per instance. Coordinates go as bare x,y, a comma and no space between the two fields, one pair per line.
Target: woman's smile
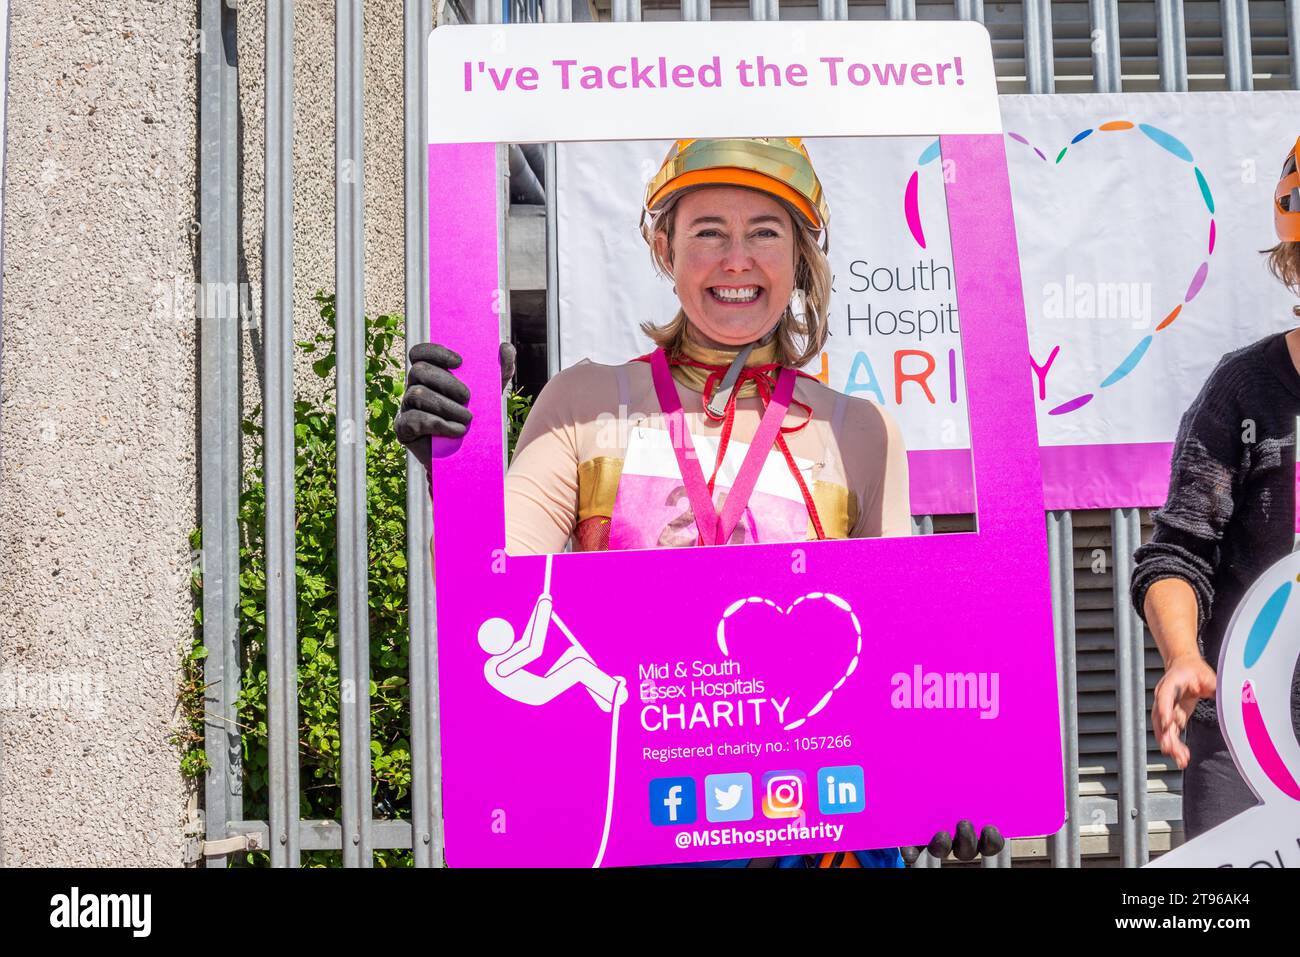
736,295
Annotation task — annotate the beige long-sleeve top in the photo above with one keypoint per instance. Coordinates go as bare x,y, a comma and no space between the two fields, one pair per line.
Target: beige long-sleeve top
564,479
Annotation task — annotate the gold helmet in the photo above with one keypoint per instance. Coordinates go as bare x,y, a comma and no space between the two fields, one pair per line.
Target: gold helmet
1286,199
778,166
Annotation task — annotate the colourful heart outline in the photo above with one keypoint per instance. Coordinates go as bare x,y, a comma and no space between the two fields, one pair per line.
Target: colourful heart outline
1168,142
1261,630
835,600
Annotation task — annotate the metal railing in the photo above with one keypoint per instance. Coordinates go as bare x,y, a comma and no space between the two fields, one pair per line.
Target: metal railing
357,835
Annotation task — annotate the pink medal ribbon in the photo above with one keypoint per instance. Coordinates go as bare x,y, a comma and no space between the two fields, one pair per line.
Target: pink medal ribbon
713,528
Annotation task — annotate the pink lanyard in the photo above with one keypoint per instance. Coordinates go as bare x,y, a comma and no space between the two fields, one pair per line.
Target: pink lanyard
712,527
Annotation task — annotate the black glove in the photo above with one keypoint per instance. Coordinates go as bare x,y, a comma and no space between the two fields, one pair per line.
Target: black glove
435,400
964,846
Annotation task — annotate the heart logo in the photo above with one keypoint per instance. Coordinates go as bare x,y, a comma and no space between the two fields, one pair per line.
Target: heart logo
826,616
1162,139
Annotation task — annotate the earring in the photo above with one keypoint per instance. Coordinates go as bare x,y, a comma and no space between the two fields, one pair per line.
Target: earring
798,306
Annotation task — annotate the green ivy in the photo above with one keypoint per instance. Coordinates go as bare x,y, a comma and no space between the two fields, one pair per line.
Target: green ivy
317,601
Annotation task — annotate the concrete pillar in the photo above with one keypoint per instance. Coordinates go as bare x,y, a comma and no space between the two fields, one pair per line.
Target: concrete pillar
97,431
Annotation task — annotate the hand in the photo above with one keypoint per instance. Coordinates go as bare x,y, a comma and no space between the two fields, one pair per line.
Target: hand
1187,678
964,846
435,400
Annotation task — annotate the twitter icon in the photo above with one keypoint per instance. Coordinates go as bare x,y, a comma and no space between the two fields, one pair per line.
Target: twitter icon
728,797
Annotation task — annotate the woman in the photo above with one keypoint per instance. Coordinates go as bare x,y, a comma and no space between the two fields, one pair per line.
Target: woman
1229,515
735,225
740,228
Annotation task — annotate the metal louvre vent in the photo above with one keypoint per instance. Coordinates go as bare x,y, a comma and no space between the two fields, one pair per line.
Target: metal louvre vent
1073,39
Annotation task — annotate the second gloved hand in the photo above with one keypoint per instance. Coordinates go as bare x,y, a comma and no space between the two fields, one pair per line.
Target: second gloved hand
435,401
964,846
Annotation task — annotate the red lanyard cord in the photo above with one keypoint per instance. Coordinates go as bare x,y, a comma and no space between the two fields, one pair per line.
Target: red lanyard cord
763,377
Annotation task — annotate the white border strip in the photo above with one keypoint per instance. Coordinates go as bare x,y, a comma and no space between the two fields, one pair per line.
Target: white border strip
538,82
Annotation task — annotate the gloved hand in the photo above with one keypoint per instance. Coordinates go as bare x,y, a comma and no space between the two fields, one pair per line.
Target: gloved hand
964,846
435,400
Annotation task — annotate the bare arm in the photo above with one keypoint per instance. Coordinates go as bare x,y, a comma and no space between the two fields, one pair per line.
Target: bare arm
1171,614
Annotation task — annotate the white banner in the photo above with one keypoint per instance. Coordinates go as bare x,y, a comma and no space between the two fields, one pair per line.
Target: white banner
1139,217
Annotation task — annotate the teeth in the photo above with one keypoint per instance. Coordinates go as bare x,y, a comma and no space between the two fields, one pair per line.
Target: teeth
743,294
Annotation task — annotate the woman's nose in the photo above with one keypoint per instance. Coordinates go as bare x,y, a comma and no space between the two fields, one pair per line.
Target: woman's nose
736,257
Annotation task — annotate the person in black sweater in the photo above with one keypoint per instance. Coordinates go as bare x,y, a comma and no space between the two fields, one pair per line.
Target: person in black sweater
1229,515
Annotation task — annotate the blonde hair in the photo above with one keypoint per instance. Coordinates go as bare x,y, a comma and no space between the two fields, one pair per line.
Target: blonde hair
798,337
1284,263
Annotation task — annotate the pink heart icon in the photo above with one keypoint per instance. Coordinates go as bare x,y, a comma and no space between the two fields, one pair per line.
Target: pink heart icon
809,650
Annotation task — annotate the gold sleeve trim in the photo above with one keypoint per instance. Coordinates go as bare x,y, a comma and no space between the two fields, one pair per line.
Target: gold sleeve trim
598,486
837,508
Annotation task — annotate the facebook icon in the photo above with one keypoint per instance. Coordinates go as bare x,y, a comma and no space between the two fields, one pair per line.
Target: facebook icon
672,801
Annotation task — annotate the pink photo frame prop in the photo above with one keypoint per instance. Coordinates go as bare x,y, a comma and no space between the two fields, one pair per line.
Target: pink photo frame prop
838,642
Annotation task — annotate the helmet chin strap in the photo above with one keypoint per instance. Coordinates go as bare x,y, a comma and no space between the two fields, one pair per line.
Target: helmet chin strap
717,405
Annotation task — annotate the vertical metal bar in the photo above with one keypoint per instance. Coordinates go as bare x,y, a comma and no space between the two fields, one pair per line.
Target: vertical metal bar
969,10
1001,859
1130,667
485,11
552,259
833,10
278,429
628,10
1236,44
1123,696
1104,17
1133,518
621,11
1293,37
1039,68
695,10
1171,38
764,10
426,804
1066,850
900,9
350,443
1039,58
219,416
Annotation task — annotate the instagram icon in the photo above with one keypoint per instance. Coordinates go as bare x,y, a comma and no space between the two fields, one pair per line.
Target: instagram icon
783,794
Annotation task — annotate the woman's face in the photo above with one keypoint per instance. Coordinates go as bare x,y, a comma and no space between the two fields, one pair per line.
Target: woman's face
732,260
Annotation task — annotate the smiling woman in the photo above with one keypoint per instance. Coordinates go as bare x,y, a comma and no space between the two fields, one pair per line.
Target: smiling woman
740,227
